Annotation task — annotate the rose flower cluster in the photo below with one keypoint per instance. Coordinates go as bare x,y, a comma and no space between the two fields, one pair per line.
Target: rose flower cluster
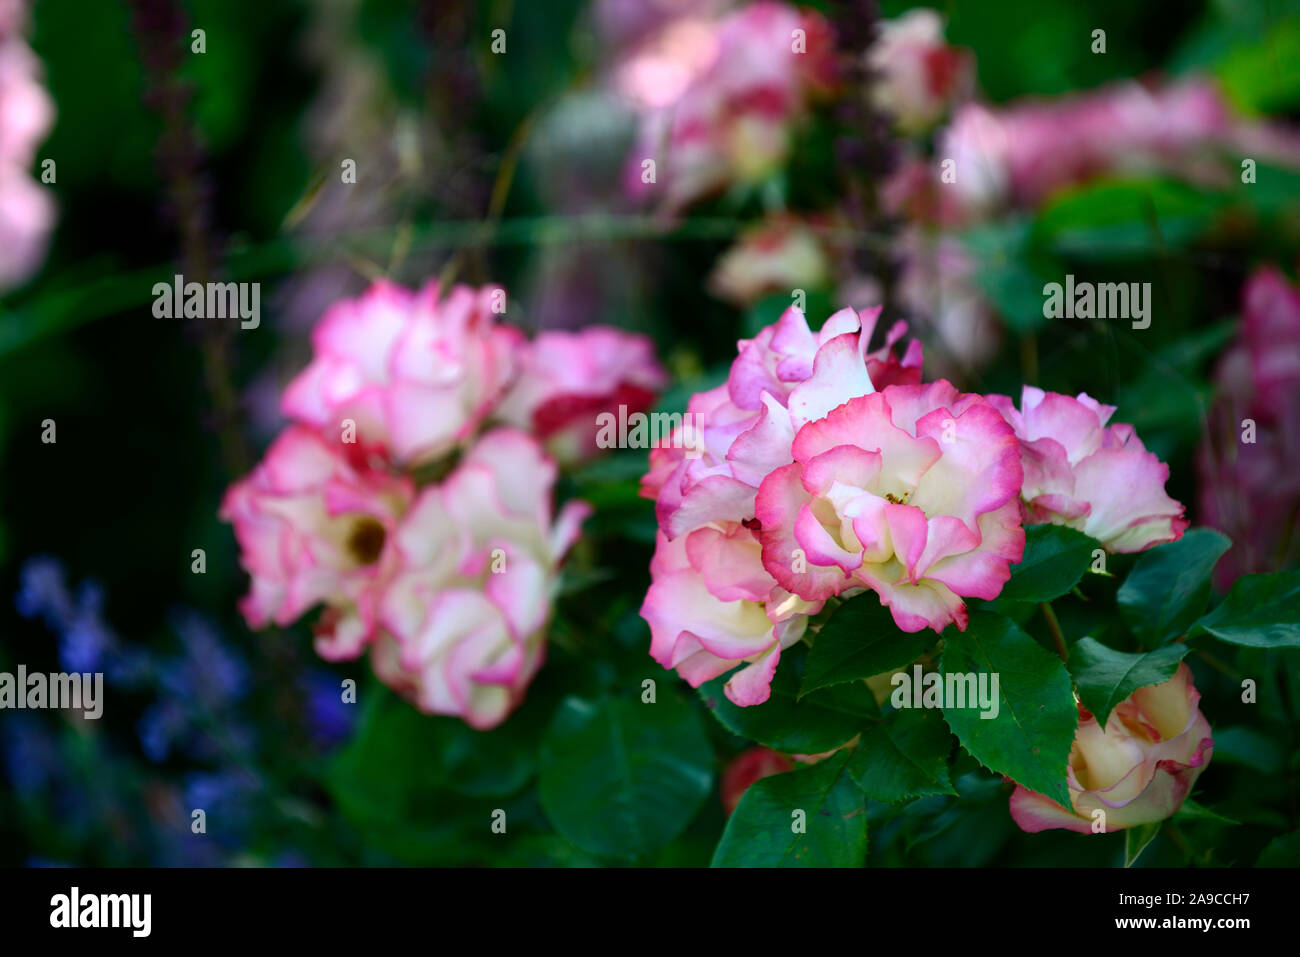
829,468
411,496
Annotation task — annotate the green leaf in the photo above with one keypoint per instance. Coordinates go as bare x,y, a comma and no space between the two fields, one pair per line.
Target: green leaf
622,778
1260,611
1259,77
1191,811
764,830
903,757
970,831
1055,558
1282,851
1170,585
1134,217
1250,748
1137,839
411,808
1030,738
859,640
1018,611
1106,677
816,722
1274,190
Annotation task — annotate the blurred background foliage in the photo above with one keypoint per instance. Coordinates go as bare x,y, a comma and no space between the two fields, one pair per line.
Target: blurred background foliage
144,449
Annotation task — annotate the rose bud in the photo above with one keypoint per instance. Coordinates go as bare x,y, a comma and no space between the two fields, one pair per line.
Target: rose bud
1139,770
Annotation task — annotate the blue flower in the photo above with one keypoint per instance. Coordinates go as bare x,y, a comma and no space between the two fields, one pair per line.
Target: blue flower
329,719
162,725
31,754
83,646
207,670
43,592
86,643
227,798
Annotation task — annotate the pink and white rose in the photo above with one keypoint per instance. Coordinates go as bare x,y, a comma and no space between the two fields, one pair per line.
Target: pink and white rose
1088,475
417,372
312,530
780,254
465,612
785,376
712,605
567,379
26,110
917,75
912,492
27,215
